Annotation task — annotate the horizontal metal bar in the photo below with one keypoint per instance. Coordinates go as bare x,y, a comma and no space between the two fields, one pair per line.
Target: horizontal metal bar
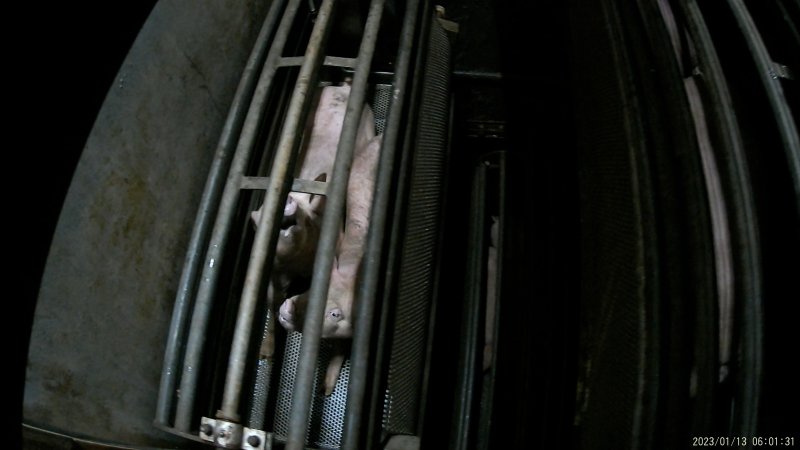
334,210
219,235
477,74
331,61
208,203
298,185
266,232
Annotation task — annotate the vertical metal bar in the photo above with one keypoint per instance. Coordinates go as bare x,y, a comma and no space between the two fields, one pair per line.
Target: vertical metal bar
408,35
359,356
275,197
334,210
463,427
206,210
219,237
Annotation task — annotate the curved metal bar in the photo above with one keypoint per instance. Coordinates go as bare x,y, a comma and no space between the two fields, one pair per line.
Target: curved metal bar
279,182
206,210
219,236
772,84
743,223
334,210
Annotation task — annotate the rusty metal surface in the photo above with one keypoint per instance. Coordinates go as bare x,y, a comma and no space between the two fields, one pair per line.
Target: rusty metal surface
106,295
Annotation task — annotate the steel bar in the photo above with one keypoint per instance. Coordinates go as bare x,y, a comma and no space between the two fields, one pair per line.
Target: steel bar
463,428
219,236
298,185
206,210
411,34
334,210
743,224
371,263
333,61
275,197
772,86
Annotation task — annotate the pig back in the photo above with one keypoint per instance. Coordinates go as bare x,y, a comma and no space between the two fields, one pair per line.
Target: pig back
324,131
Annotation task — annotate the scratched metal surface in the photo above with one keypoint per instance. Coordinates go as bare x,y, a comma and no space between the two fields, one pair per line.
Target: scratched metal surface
107,291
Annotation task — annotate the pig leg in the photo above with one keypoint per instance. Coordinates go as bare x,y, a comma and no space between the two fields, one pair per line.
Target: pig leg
334,366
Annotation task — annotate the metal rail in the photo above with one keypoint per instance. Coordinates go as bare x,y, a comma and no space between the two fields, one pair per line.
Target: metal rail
334,210
219,236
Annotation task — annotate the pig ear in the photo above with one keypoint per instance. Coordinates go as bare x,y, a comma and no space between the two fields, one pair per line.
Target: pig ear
255,216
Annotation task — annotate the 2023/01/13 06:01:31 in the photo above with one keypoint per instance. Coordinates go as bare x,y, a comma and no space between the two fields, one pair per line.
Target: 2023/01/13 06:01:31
742,441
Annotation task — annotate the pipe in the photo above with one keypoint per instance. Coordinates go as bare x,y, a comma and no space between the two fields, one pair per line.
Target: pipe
218,241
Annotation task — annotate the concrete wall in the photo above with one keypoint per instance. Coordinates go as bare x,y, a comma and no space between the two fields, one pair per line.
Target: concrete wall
106,296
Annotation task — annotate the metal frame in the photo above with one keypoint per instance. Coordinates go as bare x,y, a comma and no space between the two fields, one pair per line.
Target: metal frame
208,244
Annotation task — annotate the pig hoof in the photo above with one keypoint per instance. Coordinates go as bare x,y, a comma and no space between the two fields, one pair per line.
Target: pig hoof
286,314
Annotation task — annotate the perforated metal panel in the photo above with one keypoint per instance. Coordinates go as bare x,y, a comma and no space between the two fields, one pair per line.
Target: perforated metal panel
420,235
327,412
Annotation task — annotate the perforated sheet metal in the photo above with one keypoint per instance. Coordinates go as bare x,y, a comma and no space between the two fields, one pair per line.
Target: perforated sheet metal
261,388
380,106
418,260
327,412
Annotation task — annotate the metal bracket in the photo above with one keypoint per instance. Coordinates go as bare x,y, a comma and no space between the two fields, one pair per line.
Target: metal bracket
256,440
778,70
448,25
221,432
298,185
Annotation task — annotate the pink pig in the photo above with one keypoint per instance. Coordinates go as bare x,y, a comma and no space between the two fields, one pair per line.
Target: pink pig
341,294
302,214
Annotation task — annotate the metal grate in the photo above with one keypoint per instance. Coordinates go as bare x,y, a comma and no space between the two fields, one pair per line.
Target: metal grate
421,232
327,413
381,105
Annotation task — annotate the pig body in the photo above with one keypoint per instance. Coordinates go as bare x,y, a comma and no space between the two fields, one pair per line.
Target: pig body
302,214
338,320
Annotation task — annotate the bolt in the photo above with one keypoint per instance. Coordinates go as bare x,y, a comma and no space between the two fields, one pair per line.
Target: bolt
206,429
253,440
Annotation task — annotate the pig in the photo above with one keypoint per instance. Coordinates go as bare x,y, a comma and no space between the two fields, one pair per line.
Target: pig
302,214
338,320
347,261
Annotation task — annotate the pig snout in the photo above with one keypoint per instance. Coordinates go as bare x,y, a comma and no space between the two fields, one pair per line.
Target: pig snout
335,323
286,314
